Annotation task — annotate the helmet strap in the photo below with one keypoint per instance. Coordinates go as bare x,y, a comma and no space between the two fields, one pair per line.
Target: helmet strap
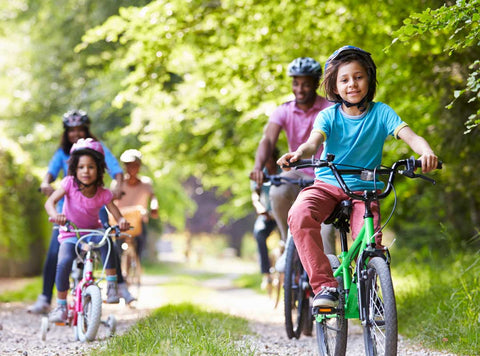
81,185
360,105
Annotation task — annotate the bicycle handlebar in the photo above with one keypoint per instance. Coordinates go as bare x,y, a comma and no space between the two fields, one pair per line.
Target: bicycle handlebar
366,174
109,230
278,180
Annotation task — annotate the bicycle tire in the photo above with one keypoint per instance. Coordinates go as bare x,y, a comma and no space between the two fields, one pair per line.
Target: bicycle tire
380,329
89,320
307,327
131,265
332,331
293,293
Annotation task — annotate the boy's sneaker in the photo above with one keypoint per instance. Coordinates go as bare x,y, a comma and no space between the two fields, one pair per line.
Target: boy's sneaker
41,306
112,293
124,293
328,297
58,315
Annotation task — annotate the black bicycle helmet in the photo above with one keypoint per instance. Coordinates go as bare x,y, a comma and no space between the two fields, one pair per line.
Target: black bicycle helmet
371,68
75,118
304,66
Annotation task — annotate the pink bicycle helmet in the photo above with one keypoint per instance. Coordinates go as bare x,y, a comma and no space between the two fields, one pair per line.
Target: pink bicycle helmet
90,143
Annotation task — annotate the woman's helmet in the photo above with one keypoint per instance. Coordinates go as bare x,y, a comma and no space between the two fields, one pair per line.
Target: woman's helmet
87,143
304,66
74,118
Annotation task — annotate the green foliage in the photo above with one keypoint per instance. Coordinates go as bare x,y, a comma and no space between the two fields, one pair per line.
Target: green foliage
181,330
23,222
441,297
461,23
191,84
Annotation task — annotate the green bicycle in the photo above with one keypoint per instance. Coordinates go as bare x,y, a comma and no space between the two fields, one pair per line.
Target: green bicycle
362,271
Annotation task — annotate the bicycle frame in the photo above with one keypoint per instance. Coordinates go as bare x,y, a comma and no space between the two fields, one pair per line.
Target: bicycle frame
87,279
363,242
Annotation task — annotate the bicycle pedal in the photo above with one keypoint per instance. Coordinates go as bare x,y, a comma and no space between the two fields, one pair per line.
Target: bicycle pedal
61,323
323,310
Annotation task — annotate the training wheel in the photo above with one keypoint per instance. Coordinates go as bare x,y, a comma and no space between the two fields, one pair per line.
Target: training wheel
44,328
111,324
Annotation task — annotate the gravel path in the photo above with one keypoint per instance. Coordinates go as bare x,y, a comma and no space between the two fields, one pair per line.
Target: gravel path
20,331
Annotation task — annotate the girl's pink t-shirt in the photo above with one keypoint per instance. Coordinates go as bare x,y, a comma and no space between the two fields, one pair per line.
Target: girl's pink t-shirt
81,210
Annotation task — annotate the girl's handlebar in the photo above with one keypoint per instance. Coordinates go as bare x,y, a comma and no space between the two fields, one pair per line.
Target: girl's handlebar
410,164
82,234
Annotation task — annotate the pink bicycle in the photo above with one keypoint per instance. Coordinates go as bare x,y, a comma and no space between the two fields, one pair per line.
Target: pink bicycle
85,304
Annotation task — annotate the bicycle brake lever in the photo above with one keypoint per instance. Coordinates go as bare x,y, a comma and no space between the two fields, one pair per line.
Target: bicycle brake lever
408,173
428,179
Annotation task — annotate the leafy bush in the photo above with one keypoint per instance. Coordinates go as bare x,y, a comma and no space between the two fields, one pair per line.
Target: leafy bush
23,221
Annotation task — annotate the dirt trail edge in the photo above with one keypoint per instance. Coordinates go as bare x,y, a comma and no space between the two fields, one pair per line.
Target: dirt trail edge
20,331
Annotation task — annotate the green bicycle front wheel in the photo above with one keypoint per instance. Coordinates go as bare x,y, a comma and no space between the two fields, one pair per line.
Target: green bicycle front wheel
380,330
332,330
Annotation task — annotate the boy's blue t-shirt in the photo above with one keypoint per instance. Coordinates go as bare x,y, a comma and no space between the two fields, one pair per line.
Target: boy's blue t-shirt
59,162
356,141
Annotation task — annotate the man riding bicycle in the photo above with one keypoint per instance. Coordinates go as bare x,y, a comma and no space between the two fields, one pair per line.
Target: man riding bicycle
296,118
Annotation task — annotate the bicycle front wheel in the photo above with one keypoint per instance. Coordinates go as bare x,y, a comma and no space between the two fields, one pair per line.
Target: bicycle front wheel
380,329
332,330
89,320
294,294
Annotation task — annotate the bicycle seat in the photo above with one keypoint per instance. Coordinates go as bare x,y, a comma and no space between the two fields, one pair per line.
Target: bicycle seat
340,217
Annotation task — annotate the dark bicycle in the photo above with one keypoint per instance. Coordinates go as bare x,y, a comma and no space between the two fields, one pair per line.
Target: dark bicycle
297,292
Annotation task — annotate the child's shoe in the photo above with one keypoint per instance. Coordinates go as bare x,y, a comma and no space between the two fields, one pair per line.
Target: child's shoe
112,293
41,306
58,315
124,293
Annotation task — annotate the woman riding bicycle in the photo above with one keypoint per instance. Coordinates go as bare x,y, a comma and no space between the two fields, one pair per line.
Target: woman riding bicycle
354,130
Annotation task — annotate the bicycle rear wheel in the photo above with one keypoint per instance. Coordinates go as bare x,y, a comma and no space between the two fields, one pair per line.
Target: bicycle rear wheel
380,330
332,330
294,293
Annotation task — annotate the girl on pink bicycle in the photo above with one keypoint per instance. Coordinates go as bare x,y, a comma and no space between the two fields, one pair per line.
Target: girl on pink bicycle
84,197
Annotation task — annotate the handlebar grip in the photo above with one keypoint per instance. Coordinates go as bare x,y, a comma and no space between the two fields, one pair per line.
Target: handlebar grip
300,162
418,164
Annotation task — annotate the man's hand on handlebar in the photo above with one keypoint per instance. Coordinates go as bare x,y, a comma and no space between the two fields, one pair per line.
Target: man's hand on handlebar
257,176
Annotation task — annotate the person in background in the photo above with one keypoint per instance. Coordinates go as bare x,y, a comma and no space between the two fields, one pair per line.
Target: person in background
137,195
296,119
265,223
84,192
76,125
354,130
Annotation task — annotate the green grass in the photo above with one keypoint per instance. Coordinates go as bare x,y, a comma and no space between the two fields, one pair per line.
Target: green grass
28,293
182,329
438,300
252,281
